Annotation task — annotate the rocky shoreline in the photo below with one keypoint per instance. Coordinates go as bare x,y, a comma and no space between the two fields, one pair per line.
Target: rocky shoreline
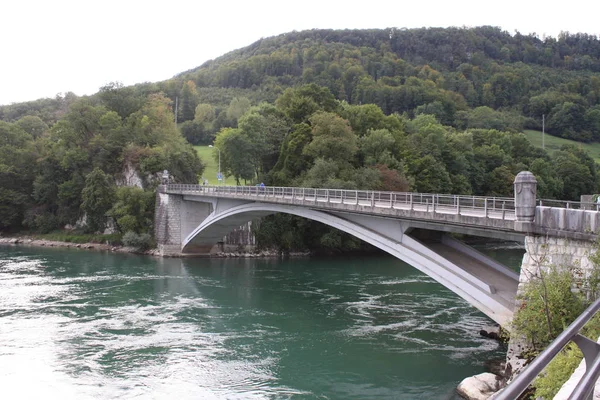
485,385
28,241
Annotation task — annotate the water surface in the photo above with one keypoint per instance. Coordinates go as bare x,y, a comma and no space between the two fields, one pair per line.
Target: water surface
87,325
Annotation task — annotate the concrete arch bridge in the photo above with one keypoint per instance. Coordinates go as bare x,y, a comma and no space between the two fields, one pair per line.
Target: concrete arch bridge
414,227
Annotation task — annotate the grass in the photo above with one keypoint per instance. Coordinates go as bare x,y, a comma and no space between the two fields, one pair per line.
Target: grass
212,166
553,143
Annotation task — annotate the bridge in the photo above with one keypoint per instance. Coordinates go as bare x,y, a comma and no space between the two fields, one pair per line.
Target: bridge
414,227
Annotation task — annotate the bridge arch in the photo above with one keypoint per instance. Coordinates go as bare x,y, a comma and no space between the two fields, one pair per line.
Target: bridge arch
389,235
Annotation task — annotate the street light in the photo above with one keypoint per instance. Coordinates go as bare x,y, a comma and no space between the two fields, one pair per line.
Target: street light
219,176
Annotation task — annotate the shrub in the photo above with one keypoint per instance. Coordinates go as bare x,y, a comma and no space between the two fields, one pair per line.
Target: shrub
141,241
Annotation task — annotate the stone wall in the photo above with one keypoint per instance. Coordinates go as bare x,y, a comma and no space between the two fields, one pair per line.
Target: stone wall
167,223
543,253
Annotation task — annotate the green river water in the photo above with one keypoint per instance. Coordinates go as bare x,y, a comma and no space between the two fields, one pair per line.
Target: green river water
91,325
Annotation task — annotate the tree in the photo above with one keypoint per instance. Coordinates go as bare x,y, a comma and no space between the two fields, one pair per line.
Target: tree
576,177
376,147
333,138
16,174
236,160
189,101
133,209
237,107
33,125
292,161
300,103
97,199
431,175
204,113
566,120
120,99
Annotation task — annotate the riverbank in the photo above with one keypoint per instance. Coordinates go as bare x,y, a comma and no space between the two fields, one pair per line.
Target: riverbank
28,241
34,242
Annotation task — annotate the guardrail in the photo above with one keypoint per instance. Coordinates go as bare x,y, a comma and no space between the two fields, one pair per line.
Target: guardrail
489,207
590,349
570,205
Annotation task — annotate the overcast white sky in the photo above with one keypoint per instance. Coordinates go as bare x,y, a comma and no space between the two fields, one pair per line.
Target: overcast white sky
56,46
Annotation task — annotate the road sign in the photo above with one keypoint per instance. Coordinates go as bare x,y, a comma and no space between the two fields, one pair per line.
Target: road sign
219,176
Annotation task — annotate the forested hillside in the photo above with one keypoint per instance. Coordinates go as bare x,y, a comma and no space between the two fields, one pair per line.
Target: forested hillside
428,110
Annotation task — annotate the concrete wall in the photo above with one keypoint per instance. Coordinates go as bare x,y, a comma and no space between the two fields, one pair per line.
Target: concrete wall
567,223
544,253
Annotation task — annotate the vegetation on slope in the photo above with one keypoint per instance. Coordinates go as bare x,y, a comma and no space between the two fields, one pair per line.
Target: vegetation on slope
430,110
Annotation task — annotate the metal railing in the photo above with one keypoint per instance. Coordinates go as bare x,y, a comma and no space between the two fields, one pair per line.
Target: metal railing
570,205
488,207
589,348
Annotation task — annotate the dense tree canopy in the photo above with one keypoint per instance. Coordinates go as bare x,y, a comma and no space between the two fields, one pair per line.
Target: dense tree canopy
429,110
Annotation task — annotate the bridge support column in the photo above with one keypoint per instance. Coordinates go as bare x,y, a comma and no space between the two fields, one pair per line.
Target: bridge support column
174,219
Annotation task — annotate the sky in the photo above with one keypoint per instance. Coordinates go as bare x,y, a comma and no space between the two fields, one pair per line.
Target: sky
51,47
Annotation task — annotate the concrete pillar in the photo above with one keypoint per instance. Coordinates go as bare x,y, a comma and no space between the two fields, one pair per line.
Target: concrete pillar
525,200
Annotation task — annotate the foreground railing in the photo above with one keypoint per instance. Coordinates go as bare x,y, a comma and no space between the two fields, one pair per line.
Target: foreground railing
492,207
589,348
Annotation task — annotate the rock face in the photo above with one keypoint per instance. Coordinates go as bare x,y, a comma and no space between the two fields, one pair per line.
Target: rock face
479,387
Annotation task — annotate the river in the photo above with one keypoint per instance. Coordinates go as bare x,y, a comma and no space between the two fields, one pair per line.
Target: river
92,325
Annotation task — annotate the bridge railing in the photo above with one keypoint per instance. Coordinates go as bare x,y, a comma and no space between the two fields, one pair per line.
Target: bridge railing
571,205
492,207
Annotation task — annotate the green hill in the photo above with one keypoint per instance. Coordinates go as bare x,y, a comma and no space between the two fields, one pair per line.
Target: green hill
378,109
553,143
448,72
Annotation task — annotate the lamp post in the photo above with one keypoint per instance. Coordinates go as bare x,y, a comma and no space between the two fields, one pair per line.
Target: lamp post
219,176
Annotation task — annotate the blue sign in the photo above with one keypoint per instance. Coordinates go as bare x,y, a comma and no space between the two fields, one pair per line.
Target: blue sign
219,176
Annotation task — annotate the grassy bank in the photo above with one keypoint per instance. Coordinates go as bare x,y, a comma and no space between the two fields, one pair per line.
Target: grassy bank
212,166
553,143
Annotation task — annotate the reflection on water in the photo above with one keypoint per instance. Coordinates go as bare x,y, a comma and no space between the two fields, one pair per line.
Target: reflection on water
94,325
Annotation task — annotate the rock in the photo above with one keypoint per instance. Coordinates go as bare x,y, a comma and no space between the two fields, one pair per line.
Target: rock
496,367
492,332
479,387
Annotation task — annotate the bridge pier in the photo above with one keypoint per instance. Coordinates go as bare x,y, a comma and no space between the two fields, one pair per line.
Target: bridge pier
175,218
556,238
